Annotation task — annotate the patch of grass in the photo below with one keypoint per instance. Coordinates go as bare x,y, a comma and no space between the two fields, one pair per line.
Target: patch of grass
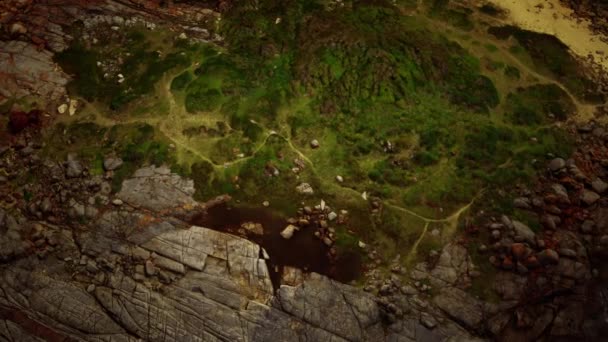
539,104
182,80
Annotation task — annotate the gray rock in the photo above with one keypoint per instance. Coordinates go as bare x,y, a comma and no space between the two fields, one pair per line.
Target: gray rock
73,167
561,192
524,231
522,203
460,306
557,164
112,163
156,188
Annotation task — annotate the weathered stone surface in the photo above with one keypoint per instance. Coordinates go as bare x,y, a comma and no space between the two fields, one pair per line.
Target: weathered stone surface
453,265
156,188
27,70
460,306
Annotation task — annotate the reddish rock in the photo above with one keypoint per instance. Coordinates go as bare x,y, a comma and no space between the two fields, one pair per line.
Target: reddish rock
507,263
519,251
532,262
548,257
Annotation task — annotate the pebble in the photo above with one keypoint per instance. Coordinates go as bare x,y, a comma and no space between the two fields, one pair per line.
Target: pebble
117,202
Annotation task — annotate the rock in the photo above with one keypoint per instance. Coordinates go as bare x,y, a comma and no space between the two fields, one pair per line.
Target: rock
460,306
496,234
599,186
18,28
332,216
587,226
567,252
339,179
561,192
428,321
117,202
305,189
266,204
62,109
524,231
157,189
327,241
522,203
604,240
150,268
73,167
362,244
73,105
112,163
288,232
314,143
557,164
548,257
253,227
519,251
589,197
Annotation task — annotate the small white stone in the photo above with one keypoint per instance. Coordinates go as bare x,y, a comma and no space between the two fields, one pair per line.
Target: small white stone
332,216
117,201
72,107
266,203
364,195
182,36
62,109
362,244
339,179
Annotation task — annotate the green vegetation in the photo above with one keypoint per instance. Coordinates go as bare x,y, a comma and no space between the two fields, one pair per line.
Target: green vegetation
136,144
551,57
401,112
539,104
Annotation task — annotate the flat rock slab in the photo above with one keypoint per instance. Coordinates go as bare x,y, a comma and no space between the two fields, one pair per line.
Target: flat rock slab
157,189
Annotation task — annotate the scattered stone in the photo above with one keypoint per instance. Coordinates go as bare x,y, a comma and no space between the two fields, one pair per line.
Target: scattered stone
314,143
362,244
305,189
522,203
112,163
62,108
254,228
589,197
599,186
332,216
150,268
288,232
117,202
91,288
548,257
73,167
524,231
266,204
72,107
557,164
339,179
